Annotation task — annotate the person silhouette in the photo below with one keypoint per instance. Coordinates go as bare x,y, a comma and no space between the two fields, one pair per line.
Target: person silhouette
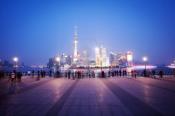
161,74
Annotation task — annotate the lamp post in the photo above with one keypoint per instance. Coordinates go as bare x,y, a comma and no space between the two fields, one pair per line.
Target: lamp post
15,59
130,62
57,59
145,59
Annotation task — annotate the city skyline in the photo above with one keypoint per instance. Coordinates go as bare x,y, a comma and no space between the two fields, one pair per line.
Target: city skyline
36,31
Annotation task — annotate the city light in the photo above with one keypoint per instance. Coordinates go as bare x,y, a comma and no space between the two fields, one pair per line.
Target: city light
57,59
101,58
15,59
145,59
141,67
172,65
96,49
129,57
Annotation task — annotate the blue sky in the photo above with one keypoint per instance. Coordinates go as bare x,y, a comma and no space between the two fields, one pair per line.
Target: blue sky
36,30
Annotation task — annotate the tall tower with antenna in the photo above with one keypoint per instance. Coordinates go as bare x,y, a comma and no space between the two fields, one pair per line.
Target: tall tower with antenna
75,55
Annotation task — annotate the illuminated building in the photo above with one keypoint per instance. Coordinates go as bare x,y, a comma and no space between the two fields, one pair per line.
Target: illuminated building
129,56
101,59
69,60
75,55
121,59
62,59
65,59
84,60
113,59
172,65
97,56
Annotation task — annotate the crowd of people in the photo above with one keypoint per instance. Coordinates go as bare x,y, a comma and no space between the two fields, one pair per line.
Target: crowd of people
153,73
91,73
15,76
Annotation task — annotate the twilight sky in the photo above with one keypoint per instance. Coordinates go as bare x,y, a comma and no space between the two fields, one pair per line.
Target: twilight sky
35,30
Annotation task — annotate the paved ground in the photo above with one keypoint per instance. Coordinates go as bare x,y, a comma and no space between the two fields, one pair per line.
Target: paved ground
88,97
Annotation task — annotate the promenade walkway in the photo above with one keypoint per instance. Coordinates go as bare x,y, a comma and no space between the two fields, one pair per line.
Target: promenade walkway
89,97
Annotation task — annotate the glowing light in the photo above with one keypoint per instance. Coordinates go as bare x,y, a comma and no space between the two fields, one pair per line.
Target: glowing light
101,58
75,41
15,59
57,59
171,66
129,57
96,49
140,67
145,59
75,57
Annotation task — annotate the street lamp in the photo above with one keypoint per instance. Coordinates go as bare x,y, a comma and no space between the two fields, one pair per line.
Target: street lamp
15,59
57,59
129,58
145,59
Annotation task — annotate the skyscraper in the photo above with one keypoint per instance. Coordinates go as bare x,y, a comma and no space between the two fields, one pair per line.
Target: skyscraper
113,59
101,58
75,55
129,56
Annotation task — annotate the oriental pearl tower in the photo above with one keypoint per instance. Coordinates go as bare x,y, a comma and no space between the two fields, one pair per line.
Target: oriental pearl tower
75,54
